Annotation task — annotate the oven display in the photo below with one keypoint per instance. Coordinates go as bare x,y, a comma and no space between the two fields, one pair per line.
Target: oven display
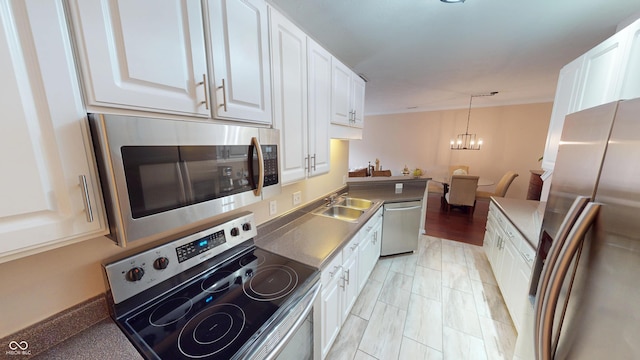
197,247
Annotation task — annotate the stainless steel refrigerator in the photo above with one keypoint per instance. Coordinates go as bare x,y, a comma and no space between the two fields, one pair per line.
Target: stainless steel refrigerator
586,279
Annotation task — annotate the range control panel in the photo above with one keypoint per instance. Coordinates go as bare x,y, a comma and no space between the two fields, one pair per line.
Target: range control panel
134,274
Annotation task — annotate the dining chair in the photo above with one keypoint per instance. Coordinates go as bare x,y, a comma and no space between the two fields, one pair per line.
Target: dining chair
501,188
458,170
381,173
462,192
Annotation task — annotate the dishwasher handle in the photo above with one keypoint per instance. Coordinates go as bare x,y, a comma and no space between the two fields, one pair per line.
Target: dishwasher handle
403,208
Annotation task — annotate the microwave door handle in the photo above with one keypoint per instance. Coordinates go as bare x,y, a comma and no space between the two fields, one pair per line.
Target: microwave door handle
258,190
558,275
185,186
563,232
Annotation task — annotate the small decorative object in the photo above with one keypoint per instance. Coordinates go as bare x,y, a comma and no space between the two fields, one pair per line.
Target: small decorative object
378,168
417,172
405,171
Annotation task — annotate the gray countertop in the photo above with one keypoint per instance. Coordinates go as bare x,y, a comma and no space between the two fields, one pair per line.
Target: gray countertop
525,215
103,340
313,240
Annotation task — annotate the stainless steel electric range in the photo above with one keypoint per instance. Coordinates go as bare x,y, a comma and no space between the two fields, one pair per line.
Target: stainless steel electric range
212,295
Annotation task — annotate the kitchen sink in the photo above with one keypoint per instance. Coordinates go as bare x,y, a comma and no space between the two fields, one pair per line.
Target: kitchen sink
341,213
361,204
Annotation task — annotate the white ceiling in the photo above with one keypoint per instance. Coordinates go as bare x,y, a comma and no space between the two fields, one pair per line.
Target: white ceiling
431,55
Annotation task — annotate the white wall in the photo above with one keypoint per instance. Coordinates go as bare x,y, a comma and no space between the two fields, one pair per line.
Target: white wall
39,286
514,138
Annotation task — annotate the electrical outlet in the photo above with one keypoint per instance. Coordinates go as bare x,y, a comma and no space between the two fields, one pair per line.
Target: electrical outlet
273,207
297,198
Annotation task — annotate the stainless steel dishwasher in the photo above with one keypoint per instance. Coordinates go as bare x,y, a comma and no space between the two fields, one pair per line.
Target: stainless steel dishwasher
401,227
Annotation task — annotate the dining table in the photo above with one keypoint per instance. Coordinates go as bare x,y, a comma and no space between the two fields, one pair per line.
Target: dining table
445,181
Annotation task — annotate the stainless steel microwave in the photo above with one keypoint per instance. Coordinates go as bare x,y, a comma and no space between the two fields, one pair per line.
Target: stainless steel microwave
160,176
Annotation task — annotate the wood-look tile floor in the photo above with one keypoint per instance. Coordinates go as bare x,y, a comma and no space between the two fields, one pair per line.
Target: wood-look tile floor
441,302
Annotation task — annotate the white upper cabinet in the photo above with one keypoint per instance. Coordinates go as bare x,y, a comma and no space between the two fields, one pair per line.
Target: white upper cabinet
289,59
302,100
239,54
319,107
564,103
608,72
133,58
348,96
347,102
49,189
630,81
357,99
341,110
600,73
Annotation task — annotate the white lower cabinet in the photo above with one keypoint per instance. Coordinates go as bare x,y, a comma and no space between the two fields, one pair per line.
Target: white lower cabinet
332,282
511,258
342,280
49,188
369,248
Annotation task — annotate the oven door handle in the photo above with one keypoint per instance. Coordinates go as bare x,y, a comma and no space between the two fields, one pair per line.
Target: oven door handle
309,298
256,144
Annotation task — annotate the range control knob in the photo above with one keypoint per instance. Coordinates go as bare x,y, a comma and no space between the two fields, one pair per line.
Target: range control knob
135,274
235,231
161,263
246,226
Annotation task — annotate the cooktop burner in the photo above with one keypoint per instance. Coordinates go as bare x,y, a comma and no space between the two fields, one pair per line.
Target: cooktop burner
271,283
211,331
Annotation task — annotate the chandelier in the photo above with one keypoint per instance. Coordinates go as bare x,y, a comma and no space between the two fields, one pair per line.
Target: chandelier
468,141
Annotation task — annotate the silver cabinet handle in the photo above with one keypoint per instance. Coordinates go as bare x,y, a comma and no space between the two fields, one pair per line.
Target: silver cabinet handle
206,93
87,199
306,161
549,304
335,270
563,232
346,279
224,96
314,162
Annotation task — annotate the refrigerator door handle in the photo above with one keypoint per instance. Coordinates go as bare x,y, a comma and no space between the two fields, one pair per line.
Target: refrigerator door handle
563,232
573,244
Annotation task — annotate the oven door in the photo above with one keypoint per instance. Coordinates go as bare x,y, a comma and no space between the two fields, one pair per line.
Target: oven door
290,337
162,176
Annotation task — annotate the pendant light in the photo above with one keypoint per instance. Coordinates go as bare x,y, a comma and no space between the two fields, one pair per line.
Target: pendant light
468,141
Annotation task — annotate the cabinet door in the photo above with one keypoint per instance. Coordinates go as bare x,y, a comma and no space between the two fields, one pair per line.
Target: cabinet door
42,135
630,77
289,59
564,103
330,308
357,100
341,93
351,288
319,70
132,59
366,257
241,82
520,291
505,274
600,73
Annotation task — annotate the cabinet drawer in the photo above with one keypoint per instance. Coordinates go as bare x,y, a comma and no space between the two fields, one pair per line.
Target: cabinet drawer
332,271
352,246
